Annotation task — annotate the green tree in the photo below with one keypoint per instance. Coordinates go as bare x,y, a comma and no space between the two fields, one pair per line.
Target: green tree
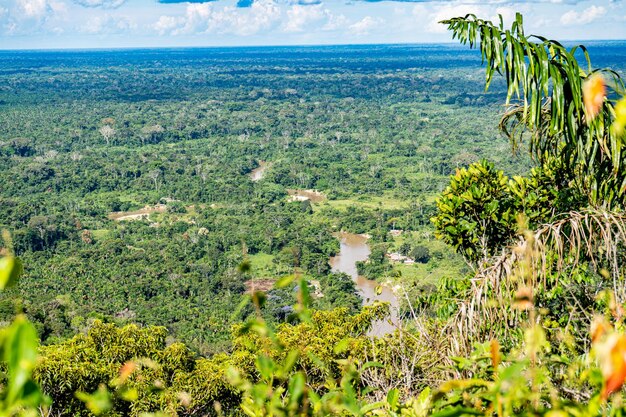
476,212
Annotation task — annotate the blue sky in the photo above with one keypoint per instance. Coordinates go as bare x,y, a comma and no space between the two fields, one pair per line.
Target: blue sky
26,24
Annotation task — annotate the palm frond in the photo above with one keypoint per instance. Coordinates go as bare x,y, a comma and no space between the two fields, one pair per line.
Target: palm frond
546,79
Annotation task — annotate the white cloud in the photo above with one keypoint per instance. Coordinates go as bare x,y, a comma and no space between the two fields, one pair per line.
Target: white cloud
19,17
287,21
582,18
32,9
365,25
166,24
107,24
305,2
541,23
105,4
430,15
336,21
204,18
447,12
301,18
508,14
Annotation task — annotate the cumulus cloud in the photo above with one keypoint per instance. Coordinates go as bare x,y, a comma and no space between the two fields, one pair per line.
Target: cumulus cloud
107,24
298,17
583,17
104,4
262,15
445,12
432,16
33,9
301,18
479,2
365,25
184,1
166,24
288,21
248,3
18,17
206,18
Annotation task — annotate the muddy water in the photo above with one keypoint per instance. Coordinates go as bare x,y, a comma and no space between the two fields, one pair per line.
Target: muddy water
258,172
354,248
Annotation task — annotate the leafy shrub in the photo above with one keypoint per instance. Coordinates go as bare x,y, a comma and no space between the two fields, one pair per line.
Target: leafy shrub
137,366
420,254
176,207
476,212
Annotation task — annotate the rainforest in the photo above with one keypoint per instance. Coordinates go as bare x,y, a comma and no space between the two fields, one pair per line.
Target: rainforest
389,230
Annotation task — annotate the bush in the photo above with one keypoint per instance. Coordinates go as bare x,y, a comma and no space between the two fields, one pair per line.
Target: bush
420,254
176,207
476,212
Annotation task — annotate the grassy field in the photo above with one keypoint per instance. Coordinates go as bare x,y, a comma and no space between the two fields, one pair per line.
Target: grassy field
443,262
372,202
262,266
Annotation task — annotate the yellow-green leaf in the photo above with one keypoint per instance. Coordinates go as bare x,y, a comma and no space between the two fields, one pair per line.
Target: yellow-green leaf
10,270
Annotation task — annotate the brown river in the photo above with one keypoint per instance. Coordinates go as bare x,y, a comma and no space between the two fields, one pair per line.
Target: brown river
354,248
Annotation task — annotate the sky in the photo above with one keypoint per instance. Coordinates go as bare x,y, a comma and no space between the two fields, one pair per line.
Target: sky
59,24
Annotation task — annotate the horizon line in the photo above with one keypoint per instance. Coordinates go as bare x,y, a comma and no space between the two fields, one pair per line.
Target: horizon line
130,48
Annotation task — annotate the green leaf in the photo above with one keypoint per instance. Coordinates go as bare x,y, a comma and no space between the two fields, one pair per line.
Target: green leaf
305,297
266,366
284,281
423,401
367,408
290,361
393,396
99,402
259,298
129,394
20,354
342,346
242,304
10,270
457,411
297,385
372,364
619,125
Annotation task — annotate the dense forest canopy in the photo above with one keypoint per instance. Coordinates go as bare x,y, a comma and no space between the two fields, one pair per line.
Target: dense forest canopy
87,134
